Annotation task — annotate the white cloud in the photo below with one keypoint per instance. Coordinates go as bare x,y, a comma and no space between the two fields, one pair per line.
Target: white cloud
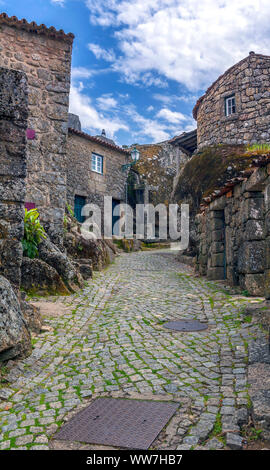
91,119
156,129
190,41
60,3
81,72
171,116
106,102
101,53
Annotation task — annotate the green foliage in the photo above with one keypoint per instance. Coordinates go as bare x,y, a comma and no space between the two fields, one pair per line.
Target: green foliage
245,293
33,233
259,148
70,210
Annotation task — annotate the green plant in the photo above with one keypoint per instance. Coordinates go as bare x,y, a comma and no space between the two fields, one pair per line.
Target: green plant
259,147
70,210
33,233
245,293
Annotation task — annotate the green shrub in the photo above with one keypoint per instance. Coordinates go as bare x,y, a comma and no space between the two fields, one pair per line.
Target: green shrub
33,233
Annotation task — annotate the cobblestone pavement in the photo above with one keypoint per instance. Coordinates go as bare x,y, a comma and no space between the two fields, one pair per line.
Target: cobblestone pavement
112,342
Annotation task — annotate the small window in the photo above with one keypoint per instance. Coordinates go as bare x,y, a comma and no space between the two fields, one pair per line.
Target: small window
97,163
230,107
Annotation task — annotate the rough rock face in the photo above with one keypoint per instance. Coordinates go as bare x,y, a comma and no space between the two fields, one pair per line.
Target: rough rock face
32,316
51,255
85,267
96,250
157,167
39,277
14,335
13,123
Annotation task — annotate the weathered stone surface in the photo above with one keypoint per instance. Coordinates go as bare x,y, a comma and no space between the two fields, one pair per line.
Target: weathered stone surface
247,80
215,273
13,122
79,247
32,316
259,379
82,181
49,253
254,230
14,336
38,276
251,257
255,284
84,266
234,441
48,75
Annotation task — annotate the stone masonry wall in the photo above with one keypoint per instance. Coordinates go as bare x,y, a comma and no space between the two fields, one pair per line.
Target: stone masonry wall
250,81
233,234
46,60
13,123
158,167
82,181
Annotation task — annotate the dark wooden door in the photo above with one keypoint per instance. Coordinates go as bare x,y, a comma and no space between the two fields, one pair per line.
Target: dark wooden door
79,202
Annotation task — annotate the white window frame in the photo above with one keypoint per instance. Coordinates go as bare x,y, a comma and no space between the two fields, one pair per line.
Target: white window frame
97,163
230,105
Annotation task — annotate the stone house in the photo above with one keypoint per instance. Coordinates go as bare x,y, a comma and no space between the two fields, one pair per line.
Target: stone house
229,184
44,55
94,170
235,108
234,232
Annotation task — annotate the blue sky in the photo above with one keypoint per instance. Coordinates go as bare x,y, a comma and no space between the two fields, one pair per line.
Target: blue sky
139,66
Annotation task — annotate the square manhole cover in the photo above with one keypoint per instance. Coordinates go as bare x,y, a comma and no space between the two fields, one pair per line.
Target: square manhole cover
132,424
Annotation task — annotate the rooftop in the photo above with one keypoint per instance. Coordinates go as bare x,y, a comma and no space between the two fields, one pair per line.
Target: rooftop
187,141
99,140
34,28
200,100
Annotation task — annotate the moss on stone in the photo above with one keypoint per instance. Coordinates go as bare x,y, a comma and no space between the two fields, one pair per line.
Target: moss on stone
209,170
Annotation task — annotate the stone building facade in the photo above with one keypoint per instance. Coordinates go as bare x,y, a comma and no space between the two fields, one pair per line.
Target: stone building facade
235,109
13,124
44,55
234,234
89,181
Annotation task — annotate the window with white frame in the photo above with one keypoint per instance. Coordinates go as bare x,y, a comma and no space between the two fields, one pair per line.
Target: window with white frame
230,107
97,163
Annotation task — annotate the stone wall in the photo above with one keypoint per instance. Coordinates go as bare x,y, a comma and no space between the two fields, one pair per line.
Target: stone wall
249,80
234,235
45,56
13,123
159,166
82,181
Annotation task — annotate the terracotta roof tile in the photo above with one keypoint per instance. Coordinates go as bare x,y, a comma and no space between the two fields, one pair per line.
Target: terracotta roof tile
97,140
33,27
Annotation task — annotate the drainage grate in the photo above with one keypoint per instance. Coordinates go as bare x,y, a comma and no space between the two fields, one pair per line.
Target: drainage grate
132,424
186,325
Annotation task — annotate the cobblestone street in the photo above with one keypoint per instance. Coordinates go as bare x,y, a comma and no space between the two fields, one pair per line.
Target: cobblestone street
111,341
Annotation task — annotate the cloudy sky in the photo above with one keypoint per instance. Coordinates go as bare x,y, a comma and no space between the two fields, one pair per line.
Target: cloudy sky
139,65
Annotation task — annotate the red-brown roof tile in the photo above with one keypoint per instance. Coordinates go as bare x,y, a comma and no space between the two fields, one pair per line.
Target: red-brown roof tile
33,27
97,140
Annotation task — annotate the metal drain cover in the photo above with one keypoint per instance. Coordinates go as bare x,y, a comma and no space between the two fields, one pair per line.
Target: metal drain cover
132,424
186,325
